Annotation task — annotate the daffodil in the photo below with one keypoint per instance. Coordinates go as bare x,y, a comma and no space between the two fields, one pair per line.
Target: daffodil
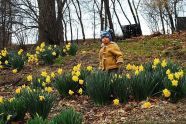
141,68
116,101
166,93
18,90
171,77
177,76
181,73
48,79
44,74
146,105
75,78
14,71
89,68
54,53
1,99
29,78
70,92
41,98
48,89
59,71
156,61
136,72
128,67
128,76
42,45
168,72
11,99
80,91
6,62
174,83
43,84
75,68
78,73
1,67
20,51
81,82
164,63
53,75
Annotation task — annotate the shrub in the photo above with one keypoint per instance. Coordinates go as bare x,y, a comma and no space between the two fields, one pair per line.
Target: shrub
16,60
38,102
99,87
64,83
143,85
176,84
37,120
13,109
73,49
121,88
67,116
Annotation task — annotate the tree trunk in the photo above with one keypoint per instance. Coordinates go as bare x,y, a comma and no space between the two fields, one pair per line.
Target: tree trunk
161,17
170,17
113,2
107,9
70,21
79,17
50,27
131,9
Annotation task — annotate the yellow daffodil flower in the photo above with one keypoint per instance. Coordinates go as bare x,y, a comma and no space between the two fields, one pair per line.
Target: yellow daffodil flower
44,74
75,78
168,72
48,89
116,101
81,82
164,63
70,92
146,105
59,71
89,68
1,99
14,71
166,93
171,77
174,83
29,78
41,98
156,61
48,79
80,91
54,53
18,90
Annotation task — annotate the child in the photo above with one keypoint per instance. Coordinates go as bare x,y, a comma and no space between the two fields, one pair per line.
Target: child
110,55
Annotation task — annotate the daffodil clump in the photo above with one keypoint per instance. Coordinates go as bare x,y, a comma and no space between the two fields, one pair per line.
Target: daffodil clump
47,53
32,59
70,49
120,87
3,58
38,101
175,83
44,80
13,59
99,87
12,109
66,116
71,83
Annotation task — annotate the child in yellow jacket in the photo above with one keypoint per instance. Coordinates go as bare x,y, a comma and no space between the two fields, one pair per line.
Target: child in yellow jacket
110,55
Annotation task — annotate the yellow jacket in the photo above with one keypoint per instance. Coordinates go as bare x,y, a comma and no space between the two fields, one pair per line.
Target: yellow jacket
109,56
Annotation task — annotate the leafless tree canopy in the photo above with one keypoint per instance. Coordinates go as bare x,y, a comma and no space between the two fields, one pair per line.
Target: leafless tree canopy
51,20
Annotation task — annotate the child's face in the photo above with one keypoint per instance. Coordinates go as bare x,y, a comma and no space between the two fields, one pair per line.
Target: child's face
105,40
